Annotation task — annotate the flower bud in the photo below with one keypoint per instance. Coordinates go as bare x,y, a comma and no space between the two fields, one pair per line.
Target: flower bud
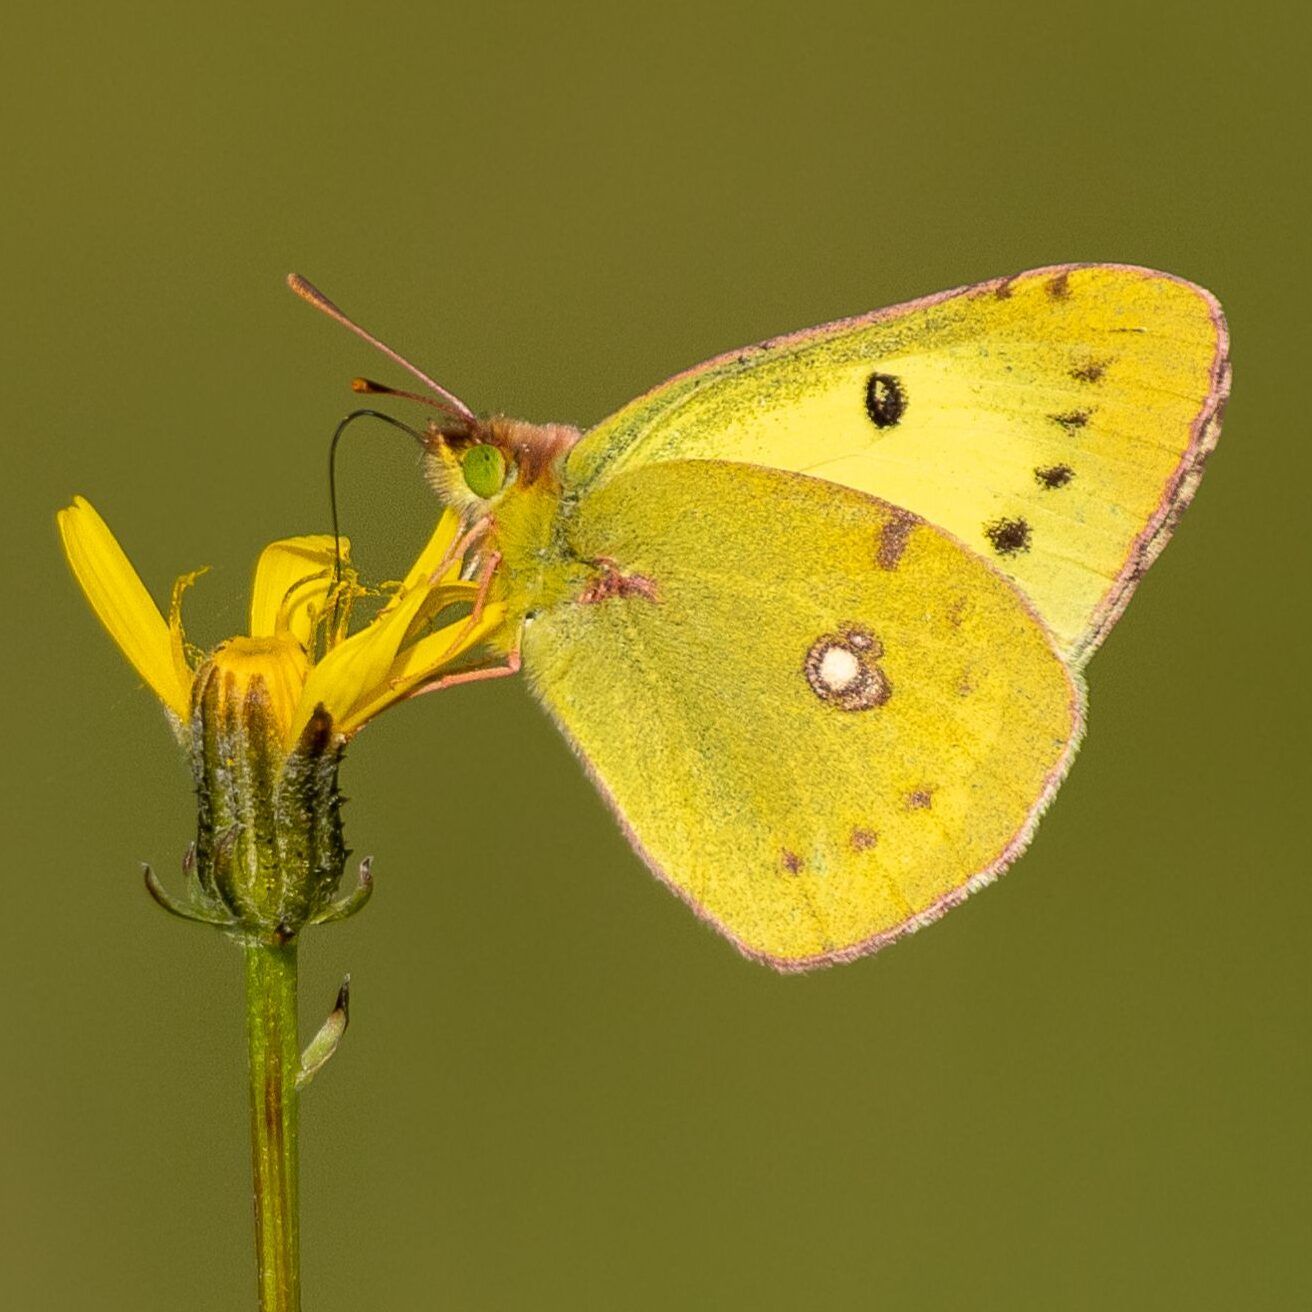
269,848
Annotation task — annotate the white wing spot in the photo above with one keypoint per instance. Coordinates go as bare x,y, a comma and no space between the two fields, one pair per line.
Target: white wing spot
841,669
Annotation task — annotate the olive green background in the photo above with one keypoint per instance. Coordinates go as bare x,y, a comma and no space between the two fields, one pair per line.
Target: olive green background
1089,1088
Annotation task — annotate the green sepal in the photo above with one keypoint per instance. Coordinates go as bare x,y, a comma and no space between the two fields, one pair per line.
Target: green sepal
343,908
308,819
182,910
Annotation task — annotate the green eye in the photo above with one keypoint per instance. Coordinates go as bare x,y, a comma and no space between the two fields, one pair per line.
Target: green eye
484,468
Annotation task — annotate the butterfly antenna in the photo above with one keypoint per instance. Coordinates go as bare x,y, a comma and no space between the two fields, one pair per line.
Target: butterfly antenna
307,291
368,387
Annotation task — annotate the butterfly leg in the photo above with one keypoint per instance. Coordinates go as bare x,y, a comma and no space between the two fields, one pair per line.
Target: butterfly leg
471,676
458,548
486,572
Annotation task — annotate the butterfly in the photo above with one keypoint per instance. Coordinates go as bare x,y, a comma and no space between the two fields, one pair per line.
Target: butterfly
814,614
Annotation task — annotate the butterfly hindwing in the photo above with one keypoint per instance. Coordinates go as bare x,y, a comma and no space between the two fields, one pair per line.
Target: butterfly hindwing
822,723
1054,422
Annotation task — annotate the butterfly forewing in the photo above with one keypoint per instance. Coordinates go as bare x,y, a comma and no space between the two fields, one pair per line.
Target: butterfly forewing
1054,422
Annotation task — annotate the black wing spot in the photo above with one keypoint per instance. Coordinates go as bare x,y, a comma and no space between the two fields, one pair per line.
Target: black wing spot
1054,476
1009,536
886,400
1091,372
1072,419
894,533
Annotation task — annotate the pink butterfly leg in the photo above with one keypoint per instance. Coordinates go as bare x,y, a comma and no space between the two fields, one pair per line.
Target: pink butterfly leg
471,676
459,547
485,573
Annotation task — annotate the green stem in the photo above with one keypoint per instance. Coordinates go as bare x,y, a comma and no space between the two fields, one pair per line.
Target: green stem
274,1060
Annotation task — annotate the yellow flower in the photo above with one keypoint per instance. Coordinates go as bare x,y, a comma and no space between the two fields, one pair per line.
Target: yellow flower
266,715
297,646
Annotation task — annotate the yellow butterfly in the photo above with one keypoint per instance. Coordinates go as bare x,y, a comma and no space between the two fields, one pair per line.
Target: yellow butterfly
813,614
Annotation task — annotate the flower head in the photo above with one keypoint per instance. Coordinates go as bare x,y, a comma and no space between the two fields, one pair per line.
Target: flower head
266,714
297,644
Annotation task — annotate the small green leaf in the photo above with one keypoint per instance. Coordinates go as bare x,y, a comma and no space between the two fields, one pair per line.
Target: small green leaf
324,1044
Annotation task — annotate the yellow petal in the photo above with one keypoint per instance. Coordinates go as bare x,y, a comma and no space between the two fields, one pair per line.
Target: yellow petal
451,593
435,554
356,671
353,670
279,663
122,603
423,662
292,577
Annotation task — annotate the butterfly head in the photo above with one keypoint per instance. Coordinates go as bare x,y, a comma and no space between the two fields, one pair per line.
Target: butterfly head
470,461
472,464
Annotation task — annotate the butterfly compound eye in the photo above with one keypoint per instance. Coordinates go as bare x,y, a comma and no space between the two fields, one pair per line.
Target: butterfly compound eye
484,468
